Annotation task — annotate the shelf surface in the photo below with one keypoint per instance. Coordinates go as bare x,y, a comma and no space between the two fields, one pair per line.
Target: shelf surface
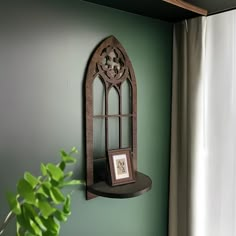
143,184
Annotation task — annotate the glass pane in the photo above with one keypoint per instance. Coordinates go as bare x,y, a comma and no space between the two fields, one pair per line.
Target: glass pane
98,97
126,97
113,133
113,102
98,138
126,132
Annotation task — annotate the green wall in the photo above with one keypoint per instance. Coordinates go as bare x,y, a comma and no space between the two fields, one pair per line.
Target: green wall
44,52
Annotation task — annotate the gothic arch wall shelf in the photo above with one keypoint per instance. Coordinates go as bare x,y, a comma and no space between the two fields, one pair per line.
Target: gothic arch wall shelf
111,119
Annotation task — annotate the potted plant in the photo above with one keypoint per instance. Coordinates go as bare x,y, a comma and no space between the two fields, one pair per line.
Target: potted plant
40,205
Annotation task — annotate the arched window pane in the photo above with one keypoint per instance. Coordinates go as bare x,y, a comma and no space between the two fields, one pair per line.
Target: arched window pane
98,97
113,133
126,132
113,102
98,138
126,97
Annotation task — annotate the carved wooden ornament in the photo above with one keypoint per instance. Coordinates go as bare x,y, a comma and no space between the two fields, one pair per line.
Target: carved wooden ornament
110,63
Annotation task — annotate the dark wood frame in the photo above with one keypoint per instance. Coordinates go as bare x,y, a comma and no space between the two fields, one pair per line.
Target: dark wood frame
96,69
188,6
111,155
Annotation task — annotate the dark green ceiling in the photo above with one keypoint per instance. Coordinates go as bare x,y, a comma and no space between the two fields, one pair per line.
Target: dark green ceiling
165,11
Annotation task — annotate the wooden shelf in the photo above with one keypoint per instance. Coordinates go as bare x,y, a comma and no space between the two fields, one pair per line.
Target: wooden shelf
188,6
167,10
143,184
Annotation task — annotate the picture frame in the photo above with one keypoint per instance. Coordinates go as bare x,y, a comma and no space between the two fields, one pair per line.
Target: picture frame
120,167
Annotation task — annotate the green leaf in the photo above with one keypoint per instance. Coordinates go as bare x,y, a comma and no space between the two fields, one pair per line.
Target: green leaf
21,221
74,150
62,165
66,207
55,183
67,158
40,223
18,228
67,212
47,184
31,219
26,191
13,203
39,178
46,188
63,153
55,172
49,233
37,214
52,226
45,208
42,192
56,195
71,182
43,169
69,174
29,210
61,216
33,181
35,227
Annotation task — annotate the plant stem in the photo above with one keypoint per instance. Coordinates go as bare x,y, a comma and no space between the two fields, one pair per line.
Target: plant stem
8,218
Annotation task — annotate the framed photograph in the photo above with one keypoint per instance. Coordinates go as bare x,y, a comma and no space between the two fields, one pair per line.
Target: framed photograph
120,166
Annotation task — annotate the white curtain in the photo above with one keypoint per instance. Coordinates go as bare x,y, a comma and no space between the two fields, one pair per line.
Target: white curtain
203,149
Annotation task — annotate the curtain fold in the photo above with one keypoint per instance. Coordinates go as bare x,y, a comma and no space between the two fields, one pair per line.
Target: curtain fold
203,143
187,113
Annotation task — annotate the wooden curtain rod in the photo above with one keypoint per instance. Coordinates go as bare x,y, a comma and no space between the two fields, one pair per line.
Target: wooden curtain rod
188,6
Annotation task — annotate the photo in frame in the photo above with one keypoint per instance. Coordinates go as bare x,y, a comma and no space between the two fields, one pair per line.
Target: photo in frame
120,167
